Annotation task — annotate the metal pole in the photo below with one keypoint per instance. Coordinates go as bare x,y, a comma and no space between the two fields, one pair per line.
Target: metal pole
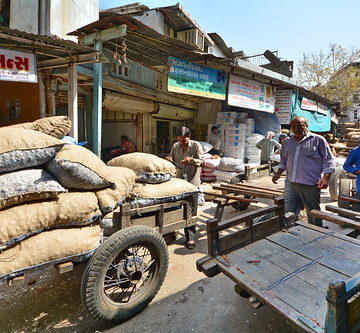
73,101
97,104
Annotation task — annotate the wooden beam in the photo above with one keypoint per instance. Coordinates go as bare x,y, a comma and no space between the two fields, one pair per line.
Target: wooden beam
104,35
231,197
344,212
343,221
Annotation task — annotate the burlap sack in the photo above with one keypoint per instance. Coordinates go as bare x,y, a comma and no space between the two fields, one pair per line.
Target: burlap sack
73,208
57,126
124,180
27,185
76,167
21,148
150,168
49,246
171,188
28,126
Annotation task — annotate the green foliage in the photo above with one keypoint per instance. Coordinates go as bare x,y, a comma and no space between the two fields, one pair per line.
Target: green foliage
334,74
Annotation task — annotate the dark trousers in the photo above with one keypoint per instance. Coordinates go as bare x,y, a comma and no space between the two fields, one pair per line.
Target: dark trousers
298,196
190,233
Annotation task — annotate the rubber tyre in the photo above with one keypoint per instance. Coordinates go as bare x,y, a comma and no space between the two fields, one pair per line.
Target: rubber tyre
240,205
345,191
99,305
334,182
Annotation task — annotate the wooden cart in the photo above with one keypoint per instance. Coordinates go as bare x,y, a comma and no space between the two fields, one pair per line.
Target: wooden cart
309,275
126,271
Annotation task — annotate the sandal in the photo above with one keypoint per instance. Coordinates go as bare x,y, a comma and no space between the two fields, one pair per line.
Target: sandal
190,245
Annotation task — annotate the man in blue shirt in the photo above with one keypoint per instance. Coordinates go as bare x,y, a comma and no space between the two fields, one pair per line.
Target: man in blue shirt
352,165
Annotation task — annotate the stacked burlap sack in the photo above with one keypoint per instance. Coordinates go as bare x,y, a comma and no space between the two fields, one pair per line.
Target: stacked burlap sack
207,170
51,196
155,182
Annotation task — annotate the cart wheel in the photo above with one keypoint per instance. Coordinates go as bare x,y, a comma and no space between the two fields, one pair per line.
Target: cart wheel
334,182
345,191
240,205
124,274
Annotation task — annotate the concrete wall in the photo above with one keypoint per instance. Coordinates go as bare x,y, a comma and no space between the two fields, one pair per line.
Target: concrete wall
153,19
24,15
351,115
68,15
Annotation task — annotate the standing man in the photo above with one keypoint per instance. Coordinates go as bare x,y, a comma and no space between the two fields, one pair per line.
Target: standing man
352,165
267,146
308,162
214,139
189,157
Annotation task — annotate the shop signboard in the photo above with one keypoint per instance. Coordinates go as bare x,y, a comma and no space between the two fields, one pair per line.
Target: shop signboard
193,79
17,66
310,105
250,94
283,101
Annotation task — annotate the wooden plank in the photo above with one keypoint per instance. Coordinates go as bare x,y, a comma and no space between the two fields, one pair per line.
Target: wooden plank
343,221
266,297
248,235
153,208
349,199
332,258
242,218
245,192
344,212
326,231
234,198
255,188
64,267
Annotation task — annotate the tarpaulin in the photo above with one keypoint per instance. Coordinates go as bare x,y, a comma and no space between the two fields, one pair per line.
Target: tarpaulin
318,122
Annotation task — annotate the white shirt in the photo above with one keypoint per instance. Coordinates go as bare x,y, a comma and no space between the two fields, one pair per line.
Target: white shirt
214,140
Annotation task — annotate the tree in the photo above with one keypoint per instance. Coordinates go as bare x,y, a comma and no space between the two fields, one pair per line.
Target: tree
334,74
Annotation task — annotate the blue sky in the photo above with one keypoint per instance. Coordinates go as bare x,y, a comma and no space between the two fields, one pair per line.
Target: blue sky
289,26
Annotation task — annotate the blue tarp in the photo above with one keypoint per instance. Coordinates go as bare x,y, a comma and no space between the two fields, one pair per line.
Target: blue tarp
317,122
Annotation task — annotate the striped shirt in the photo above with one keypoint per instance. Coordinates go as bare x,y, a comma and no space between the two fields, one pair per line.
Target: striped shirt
306,160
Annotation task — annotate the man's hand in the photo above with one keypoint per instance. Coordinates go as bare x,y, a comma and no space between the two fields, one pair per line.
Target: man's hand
275,177
169,158
323,183
187,160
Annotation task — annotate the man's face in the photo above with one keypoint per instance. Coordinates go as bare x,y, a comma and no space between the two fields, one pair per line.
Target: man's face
183,140
299,127
215,131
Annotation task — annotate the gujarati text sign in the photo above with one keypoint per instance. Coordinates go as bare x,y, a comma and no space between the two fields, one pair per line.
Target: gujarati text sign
194,79
310,105
17,66
246,93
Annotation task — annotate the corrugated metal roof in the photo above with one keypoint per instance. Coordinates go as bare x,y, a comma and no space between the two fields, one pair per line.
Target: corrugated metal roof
152,49
221,44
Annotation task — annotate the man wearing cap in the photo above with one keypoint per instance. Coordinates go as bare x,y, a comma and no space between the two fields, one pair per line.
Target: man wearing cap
267,146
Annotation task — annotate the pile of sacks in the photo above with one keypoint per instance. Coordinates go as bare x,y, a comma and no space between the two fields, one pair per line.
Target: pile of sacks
155,180
252,153
207,170
52,194
229,168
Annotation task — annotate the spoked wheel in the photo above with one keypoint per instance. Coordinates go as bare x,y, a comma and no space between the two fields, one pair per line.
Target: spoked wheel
124,274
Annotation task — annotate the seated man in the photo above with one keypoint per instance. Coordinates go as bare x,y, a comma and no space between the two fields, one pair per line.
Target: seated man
125,147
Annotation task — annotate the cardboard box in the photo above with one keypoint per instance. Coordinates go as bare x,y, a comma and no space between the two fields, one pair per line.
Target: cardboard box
235,126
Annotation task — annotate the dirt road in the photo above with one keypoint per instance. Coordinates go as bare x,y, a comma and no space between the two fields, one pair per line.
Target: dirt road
187,302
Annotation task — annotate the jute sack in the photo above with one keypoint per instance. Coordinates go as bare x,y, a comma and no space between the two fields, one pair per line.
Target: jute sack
49,246
174,187
76,167
27,185
21,148
57,126
150,168
110,198
73,208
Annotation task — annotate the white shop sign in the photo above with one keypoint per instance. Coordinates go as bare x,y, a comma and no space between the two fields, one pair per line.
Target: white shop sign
17,66
283,101
249,94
